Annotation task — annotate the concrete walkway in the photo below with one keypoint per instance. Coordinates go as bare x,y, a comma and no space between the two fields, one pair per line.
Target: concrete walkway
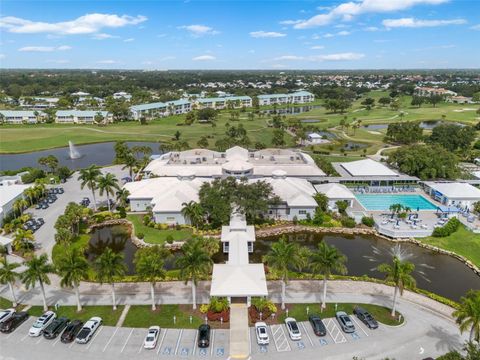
239,332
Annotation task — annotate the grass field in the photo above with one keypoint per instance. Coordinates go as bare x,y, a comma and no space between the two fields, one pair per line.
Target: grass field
155,236
299,312
46,136
143,316
108,315
4,303
462,242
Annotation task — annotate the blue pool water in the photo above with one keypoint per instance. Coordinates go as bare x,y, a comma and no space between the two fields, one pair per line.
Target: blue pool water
383,201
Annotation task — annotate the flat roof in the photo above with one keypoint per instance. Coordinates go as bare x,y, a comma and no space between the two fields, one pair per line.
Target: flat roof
367,167
455,190
10,192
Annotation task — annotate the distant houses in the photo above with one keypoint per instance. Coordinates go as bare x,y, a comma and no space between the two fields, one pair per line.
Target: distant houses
431,91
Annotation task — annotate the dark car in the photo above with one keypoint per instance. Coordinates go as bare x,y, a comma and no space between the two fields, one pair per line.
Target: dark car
55,328
204,336
38,206
40,221
71,331
317,325
44,206
14,322
61,191
365,317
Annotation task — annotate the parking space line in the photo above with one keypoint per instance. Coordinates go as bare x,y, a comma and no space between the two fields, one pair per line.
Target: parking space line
213,342
178,341
56,341
161,341
141,347
359,326
128,338
23,338
306,333
195,343
249,341
24,323
279,334
94,337
335,332
40,339
109,340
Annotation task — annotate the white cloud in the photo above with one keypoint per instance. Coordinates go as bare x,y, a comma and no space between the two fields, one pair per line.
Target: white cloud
317,47
475,27
343,33
107,62
86,24
346,11
204,58
328,35
418,23
44,48
2,56
103,36
266,34
289,58
290,22
129,40
371,28
348,56
199,30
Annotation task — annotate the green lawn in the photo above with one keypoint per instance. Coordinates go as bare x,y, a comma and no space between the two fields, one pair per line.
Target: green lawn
143,316
462,242
107,314
299,312
155,236
4,303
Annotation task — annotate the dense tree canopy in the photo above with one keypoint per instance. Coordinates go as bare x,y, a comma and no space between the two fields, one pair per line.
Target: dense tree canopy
453,137
425,161
404,132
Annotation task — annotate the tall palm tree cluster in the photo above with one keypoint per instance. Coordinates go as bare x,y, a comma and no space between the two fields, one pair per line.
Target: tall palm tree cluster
31,195
93,179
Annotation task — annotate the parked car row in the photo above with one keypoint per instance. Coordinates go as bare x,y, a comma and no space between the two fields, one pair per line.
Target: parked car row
318,327
33,224
51,326
85,202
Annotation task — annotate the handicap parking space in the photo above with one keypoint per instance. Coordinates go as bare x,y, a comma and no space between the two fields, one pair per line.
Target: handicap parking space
187,343
334,331
280,338
170,343
221,344
303,343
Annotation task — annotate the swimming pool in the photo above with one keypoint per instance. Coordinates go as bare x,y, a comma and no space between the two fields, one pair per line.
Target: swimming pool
383,201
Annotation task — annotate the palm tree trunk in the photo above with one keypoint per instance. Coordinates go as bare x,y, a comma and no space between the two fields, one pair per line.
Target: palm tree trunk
14,301
94,200
113,297
394,300
77,295
108,202
152,295
472,333
44,298
324,298
194,295
283,294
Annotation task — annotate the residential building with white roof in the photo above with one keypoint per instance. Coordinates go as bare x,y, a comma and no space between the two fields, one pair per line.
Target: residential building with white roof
335,192
122,95
160,109
8,195
21,116
237,162
456,194
298,97
81,116
219,103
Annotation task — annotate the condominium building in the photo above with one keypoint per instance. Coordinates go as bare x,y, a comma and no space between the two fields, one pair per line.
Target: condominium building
160,109
224,102
21,116
430,91
298,97
82,116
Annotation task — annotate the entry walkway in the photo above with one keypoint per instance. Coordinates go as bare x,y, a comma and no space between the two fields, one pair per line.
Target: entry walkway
239,332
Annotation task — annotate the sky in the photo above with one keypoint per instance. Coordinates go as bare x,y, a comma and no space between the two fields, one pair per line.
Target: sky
274,34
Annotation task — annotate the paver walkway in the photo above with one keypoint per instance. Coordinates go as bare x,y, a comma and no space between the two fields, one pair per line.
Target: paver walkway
239,332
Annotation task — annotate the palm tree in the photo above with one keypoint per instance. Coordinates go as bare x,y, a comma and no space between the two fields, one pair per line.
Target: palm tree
194,264
149,264
107,184
326,260
283,256
109,265
193,211
130,162
23,239
468,314
122,196
18,206
8,275
30,193
38,269
73,268
399,273
89,178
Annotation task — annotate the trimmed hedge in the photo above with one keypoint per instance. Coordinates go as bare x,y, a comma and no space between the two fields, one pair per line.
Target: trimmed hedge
449,228
368,221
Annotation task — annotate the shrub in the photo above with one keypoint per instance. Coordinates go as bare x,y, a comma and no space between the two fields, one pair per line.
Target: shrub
449,228
204,308
264,305
33,175
122,212
218,304
169,239
140,235
146,219
348,222
368,221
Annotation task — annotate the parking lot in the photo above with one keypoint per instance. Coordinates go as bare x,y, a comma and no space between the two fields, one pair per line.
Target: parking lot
121,342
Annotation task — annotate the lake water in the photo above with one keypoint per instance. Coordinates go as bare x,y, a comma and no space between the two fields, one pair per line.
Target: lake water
441,274
100,154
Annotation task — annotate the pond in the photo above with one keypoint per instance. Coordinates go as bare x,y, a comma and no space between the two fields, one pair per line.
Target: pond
434,272
352,146
100,154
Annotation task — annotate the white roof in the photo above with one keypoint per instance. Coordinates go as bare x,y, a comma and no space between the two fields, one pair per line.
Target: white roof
367,167
334,191
295,192
4,241
455,190
238,280
11,192
167,194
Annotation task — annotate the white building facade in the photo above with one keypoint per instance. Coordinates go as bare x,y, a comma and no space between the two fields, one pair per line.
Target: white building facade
82,116
455,194
21,116
299,97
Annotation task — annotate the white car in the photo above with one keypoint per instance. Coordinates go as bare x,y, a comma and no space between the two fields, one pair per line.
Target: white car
151,339
88,329
6,314
42,323
293,329
262,334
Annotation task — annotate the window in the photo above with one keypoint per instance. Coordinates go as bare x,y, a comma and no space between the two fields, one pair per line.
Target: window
302,212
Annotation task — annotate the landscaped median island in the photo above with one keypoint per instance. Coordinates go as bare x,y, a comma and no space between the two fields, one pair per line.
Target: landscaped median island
109,316
156,235
142,316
